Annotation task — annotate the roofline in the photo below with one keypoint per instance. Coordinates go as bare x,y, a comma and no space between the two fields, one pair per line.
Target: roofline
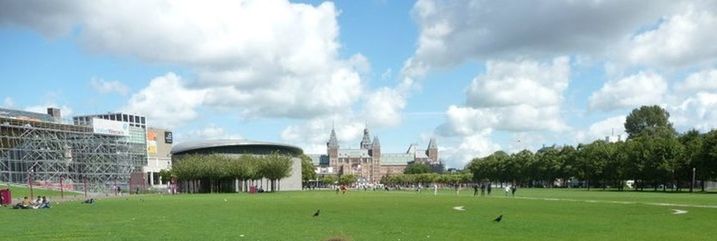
204,144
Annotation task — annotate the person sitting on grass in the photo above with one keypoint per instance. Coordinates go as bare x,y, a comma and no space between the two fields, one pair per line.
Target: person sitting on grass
45,203
25,204
89,201
36,204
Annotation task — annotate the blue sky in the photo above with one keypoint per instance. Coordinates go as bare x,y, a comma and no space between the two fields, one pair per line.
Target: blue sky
478,76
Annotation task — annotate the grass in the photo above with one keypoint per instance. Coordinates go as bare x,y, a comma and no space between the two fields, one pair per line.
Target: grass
19,191
367,215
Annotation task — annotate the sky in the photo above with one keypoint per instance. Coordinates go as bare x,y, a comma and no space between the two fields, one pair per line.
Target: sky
479,76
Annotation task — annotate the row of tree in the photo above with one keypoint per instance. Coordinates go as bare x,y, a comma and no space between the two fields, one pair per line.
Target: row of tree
653,155
426,178
222,173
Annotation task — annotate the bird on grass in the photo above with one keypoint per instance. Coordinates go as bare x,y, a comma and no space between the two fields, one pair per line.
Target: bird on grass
316,214
497,220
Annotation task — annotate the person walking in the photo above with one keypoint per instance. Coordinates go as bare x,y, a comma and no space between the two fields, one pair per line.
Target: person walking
513,189
490,188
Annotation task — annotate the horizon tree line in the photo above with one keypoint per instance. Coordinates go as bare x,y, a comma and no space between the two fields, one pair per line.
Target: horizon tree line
654,155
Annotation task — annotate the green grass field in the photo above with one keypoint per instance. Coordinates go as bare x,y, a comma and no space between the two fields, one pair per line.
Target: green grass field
19,191
536,214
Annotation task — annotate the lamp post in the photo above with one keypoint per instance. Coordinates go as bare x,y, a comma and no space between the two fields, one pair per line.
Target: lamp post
692,184
84,180
62,187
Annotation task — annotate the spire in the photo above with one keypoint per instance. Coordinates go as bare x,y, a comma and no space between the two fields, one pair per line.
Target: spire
366,141
333,142
375,142
432,144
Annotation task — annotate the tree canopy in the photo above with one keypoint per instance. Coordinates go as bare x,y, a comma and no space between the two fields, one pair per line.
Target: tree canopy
652,156
417,168
213,169
649,120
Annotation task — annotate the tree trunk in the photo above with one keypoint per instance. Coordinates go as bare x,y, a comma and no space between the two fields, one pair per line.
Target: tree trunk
588,183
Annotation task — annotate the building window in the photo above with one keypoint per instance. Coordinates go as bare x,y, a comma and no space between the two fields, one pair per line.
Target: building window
124,118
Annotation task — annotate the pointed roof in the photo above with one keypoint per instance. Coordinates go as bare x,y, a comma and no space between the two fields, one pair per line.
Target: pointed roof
375,141
333,142
366,141
432,144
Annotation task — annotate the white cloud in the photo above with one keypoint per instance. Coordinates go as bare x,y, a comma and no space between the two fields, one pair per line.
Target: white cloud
453,32
471,146
693,104
507,83
698,111
680,40
705,80
610,127
513,96
384,107
8,102
643,88
166,102
522,97
209,132
267,58
112,86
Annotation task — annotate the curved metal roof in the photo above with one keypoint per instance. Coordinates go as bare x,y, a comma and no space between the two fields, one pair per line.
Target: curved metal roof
206,144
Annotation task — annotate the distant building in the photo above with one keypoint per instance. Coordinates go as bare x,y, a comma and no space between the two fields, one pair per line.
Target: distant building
368,163
236,148
135,128
159,157
40,149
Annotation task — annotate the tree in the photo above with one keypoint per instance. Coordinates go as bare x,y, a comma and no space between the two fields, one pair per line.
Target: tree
347,179
328,180
517,168
707,165
549,159
649,120
568,163
242,169
417,168
275,167
166,175
591,160
692,141
308,172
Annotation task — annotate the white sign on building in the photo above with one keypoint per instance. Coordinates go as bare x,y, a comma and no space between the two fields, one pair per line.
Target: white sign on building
109,127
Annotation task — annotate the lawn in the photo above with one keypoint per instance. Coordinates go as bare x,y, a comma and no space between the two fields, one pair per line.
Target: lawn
536,214
19,191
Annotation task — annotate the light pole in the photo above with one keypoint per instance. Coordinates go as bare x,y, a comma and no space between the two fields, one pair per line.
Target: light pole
692,185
